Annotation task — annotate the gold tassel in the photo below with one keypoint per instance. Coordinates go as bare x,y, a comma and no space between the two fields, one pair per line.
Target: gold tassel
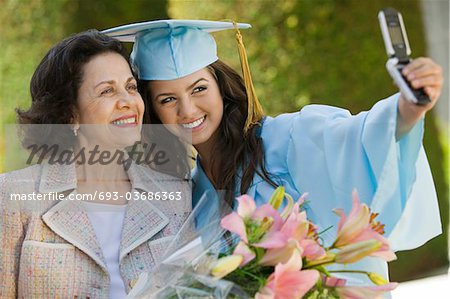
255,111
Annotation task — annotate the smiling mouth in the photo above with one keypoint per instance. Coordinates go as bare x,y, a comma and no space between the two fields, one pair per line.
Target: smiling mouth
194,124
125,121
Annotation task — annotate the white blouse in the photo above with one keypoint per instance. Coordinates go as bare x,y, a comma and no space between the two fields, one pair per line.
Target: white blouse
107,221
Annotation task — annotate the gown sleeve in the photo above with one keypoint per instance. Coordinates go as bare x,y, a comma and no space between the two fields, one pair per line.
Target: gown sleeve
328,153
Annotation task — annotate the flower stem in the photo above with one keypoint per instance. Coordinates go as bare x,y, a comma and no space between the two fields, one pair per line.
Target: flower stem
251,275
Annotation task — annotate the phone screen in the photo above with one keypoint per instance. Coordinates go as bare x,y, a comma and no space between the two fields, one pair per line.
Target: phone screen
396,34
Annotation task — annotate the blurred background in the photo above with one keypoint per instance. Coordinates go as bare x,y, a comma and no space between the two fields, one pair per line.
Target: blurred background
300,52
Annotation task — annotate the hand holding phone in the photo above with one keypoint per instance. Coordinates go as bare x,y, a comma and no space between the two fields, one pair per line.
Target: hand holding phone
398,50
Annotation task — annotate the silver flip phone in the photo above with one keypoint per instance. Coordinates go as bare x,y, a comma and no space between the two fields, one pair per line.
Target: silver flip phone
398,51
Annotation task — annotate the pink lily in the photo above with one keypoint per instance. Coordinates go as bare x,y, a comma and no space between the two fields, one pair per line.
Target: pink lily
354,252
281,255
287,281
369,292
293,234
312,250
266,216
360,292
360,226
295,227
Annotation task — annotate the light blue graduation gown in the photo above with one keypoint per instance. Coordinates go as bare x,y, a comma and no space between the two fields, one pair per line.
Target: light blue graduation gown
327,152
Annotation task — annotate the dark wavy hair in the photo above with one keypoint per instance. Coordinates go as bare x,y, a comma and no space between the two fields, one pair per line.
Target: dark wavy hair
239,153
55,84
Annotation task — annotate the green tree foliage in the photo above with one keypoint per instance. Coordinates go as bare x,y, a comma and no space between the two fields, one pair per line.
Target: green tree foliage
28,30
326,52
102,14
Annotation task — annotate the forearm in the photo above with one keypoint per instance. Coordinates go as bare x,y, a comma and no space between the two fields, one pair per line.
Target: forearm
408,115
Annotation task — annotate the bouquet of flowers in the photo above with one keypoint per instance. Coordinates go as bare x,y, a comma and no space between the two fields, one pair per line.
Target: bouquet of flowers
259,252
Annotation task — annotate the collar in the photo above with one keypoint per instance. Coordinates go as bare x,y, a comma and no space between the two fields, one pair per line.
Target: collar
62,177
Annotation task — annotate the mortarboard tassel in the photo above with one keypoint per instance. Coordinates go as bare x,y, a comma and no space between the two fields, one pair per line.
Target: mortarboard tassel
255,110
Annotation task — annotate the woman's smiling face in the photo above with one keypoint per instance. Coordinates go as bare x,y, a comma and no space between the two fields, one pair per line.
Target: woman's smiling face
190,106
108,96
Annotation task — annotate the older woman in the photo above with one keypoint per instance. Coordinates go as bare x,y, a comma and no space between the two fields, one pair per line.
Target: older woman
69,248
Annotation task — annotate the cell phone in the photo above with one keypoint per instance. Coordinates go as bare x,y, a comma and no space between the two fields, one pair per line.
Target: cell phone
398,51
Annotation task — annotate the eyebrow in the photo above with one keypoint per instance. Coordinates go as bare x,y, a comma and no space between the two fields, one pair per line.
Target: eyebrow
112,82
103,82
195,83
189,87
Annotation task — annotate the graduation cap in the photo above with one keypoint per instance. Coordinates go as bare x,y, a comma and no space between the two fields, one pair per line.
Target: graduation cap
172,49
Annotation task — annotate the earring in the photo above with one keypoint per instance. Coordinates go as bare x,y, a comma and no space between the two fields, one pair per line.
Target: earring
75,131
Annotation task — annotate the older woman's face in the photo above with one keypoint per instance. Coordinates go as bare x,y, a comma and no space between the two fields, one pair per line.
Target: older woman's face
108,98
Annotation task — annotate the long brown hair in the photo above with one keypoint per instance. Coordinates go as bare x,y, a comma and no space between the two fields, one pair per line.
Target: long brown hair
239,153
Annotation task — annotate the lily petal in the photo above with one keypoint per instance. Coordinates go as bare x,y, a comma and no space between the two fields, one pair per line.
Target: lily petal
272,240
280,255
312,250
226,265
243,250
267,211
354,252
246,206
296,226
235,224
370,292
291,284
294,263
